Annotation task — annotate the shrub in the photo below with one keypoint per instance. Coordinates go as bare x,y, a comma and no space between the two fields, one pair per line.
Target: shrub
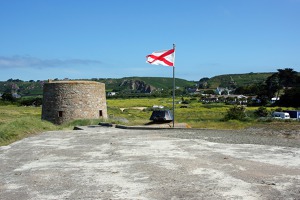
261,112
185,102
8,97
31,101
235,113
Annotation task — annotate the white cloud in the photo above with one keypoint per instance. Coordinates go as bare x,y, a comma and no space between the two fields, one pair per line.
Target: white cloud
32,62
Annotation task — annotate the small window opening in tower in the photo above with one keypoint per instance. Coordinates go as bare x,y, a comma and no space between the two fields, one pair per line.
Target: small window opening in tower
100,113
60,113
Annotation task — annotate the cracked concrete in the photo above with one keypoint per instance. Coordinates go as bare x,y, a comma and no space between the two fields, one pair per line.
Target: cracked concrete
110,163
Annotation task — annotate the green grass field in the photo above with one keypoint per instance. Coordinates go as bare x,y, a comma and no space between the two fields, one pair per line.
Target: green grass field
19,122
197,115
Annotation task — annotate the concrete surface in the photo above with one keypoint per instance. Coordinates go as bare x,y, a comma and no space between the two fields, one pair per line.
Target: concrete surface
110,163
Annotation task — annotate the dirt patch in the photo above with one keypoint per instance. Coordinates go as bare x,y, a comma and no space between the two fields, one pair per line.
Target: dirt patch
133,108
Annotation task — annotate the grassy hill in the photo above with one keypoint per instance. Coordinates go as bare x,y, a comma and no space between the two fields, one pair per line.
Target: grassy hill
237,79
34,88
25,88
161,82
157,82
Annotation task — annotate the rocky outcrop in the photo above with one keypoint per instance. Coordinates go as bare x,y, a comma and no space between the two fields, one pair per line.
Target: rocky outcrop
137,85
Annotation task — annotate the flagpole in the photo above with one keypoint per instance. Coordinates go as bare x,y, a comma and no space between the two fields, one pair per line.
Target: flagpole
174,88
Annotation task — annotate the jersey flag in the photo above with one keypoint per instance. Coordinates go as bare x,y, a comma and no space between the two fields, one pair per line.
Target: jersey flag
165,57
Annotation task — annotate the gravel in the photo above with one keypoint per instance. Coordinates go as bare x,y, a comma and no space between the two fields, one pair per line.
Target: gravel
248,136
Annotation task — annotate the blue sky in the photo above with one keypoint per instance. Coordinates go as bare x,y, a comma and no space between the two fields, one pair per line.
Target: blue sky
48,39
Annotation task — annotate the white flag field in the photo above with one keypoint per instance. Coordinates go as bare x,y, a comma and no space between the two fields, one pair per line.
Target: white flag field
165,57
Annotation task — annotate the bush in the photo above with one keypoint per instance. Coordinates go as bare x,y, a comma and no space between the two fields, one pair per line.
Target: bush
31,101
261,112
235,113
8,97
185,102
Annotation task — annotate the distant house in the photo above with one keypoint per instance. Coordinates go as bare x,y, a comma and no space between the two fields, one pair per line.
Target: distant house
274,99
111,94
221,91
15,95
192,90
232,99
241,99
209,98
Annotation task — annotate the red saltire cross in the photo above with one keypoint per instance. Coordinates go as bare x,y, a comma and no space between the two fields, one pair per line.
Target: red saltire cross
162,57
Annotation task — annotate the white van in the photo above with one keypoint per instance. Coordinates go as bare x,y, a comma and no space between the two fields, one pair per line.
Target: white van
281,115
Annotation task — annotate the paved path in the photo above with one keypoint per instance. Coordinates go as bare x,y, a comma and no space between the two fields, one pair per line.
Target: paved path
110,163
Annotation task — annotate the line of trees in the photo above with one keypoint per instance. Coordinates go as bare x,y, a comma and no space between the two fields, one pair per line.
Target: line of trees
283,85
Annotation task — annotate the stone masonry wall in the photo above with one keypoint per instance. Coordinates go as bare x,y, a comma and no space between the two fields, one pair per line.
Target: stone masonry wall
64,101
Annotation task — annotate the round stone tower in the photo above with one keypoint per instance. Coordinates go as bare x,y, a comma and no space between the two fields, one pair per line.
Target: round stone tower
64,101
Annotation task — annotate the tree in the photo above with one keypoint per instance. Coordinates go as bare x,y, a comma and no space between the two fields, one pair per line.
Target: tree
203,83
209,92
274,85
284,78
7,96
263,94
290,98
247,90
287,77
14,80
290,80
178,92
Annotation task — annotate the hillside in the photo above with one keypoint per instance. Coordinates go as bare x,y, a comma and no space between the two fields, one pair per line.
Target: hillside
135,84
24,88
237,79
155,82
140,84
